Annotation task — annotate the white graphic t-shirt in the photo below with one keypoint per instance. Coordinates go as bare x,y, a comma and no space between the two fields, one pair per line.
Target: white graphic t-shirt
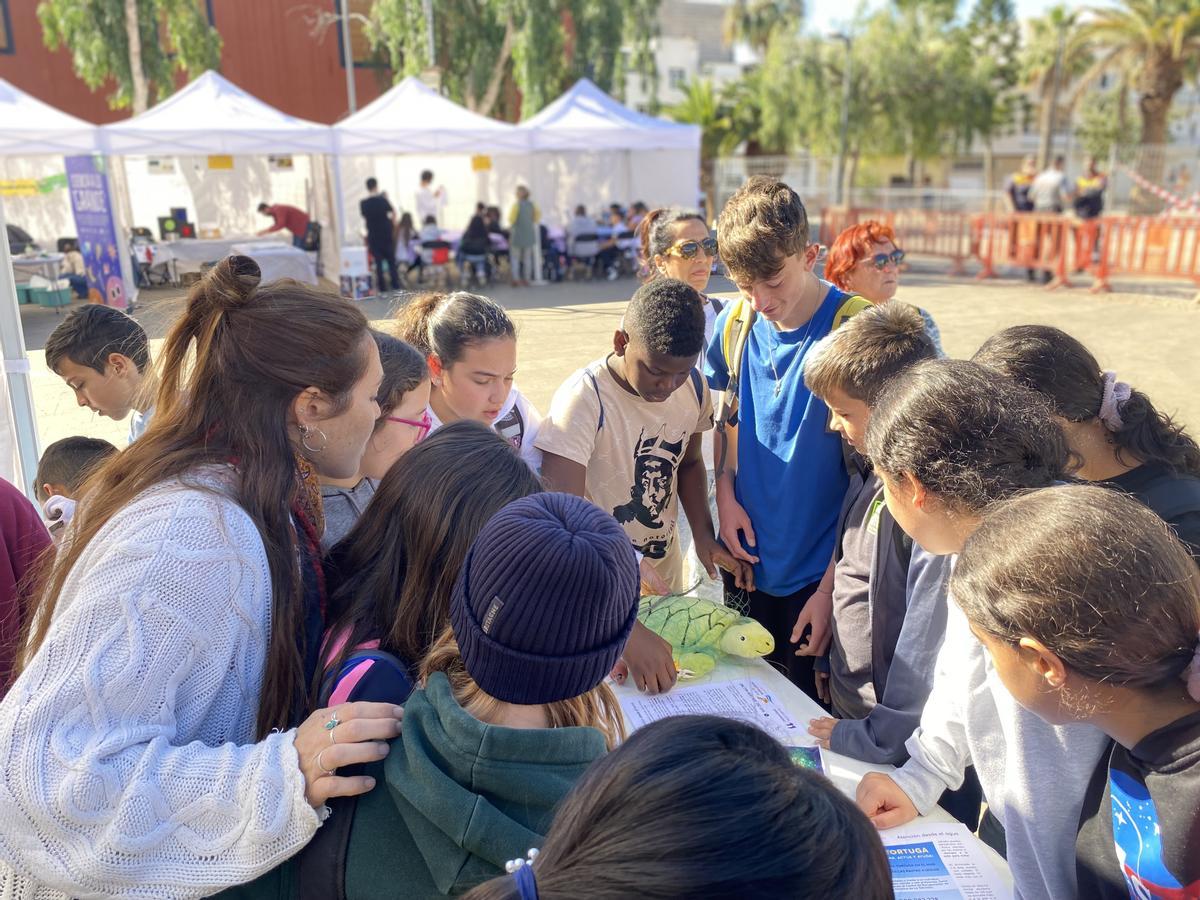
631,449
517,423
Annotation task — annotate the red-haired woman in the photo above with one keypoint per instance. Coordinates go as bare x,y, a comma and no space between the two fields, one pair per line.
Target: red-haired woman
865,260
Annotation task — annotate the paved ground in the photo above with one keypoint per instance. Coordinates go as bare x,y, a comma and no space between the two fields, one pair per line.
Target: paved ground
1148,334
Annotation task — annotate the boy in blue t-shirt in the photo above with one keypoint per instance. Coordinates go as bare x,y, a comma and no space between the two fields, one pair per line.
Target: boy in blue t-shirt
784,478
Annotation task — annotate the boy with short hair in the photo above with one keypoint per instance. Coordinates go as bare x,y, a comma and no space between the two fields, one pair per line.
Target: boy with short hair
64,467
889,595
104,357
781,478
625,432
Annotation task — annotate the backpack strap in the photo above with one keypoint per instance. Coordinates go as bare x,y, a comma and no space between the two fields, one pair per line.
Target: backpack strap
733,347
850,308
376,657
321,866
697,386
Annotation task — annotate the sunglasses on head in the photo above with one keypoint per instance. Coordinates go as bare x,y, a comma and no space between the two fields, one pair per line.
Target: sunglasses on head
689,249
422,425
880,260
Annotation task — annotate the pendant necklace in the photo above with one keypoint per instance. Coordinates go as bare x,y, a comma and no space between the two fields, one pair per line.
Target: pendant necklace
771,349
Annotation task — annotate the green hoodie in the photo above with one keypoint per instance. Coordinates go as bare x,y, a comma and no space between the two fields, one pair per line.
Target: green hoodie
454,800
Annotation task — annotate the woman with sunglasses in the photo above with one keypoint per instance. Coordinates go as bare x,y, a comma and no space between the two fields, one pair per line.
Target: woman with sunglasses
391,577
676,244
403,421
865,260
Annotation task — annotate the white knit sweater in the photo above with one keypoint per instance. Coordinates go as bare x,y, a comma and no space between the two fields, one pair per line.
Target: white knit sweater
127,762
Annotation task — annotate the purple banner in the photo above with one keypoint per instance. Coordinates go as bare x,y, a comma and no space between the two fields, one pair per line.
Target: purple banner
96,226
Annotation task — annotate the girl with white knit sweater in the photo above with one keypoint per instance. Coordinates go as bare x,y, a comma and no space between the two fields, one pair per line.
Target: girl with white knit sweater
155,742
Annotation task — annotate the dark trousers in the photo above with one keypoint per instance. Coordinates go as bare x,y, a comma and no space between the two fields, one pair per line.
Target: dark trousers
385,255
778,615
965,802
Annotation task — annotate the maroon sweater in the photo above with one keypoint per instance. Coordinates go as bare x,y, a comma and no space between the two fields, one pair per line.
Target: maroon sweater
23,537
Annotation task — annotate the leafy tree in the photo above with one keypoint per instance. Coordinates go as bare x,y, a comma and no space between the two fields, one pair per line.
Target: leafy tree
540,47
992,102
1103,123
703,106
754,21
1159,42
123,40
1057,53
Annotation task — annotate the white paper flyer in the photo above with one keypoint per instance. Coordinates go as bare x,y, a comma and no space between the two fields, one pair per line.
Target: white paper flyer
936,861
744,699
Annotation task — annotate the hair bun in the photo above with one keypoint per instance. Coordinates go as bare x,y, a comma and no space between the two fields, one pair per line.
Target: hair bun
229,284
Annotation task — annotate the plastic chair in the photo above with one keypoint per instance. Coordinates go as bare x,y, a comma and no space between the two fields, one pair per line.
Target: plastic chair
435,256
584,248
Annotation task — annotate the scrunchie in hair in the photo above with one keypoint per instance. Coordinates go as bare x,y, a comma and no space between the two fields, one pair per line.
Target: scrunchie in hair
526,883
1115,395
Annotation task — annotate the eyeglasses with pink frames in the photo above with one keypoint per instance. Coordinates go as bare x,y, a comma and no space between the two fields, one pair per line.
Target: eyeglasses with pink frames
422,425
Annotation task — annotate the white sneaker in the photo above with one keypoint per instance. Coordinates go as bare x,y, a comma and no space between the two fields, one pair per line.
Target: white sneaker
613,274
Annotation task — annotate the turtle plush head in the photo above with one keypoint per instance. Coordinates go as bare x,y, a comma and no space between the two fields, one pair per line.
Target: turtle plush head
747,638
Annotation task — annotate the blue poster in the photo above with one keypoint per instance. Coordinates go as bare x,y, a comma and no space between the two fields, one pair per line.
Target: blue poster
96,226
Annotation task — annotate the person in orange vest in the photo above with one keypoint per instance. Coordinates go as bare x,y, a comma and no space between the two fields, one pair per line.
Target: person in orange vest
1089,191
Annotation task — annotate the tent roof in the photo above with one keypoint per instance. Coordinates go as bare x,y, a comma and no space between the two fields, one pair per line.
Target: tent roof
586,118
414,118
214,116
31,127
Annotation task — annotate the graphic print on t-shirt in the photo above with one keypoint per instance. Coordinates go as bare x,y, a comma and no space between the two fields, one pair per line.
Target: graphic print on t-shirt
511,426
1137,839
655,459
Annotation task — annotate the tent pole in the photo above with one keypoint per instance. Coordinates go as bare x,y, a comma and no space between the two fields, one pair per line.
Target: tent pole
16,373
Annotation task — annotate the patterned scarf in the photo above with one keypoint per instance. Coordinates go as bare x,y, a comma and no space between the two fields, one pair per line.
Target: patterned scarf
309,515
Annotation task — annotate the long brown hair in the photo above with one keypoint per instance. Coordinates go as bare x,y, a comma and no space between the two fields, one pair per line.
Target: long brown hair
393,574
1094,575
733,817
1064,371
228,374
598,708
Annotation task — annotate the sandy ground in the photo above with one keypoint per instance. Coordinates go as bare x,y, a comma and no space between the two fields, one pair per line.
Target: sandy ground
1147,333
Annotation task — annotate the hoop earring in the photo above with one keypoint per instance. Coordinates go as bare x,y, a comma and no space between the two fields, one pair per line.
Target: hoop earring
305,431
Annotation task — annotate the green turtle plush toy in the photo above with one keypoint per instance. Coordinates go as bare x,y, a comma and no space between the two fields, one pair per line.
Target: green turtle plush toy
700,632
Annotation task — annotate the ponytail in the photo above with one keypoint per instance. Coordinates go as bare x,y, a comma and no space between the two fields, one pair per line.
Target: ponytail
1062,369
444,325
229,372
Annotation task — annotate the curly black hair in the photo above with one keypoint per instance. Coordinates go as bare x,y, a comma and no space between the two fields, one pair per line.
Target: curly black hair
967,436
667,316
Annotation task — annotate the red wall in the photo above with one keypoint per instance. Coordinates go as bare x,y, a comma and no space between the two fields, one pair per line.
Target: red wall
268,50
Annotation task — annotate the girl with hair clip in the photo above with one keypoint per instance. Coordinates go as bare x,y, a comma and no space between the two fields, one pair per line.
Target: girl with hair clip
159,716
511,710
710,786
949,439
1118,435
403,422
675,243
391,577
1090,612
471,346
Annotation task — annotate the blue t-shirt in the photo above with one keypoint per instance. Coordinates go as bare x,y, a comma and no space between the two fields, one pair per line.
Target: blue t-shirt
791,478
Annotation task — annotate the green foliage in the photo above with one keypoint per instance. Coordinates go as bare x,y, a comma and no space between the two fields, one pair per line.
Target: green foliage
753,22
1103,122
94,33
540,47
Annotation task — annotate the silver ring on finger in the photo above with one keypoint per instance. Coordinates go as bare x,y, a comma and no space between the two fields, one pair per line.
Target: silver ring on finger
333,734
321,765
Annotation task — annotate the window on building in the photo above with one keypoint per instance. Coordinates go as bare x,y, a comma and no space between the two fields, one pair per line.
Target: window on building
677,78
6,42
360,44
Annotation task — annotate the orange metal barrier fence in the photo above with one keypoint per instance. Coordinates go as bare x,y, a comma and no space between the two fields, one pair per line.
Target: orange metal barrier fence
1060,245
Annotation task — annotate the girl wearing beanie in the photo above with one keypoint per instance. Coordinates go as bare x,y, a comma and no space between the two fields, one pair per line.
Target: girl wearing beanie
511,710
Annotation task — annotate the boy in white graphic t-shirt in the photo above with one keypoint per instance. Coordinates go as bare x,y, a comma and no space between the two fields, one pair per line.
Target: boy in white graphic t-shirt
625,432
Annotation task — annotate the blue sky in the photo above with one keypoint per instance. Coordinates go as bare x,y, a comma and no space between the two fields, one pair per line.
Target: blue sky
825,16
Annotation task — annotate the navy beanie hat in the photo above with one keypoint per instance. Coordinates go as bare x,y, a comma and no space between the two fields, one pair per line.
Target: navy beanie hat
545,600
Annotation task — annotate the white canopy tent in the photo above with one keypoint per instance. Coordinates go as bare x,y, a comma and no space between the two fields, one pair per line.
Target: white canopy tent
589,149
32,136
412,127
213,117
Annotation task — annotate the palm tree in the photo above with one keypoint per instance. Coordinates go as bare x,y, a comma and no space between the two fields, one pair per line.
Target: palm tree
1056,53
753,21
702,106
1158,41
